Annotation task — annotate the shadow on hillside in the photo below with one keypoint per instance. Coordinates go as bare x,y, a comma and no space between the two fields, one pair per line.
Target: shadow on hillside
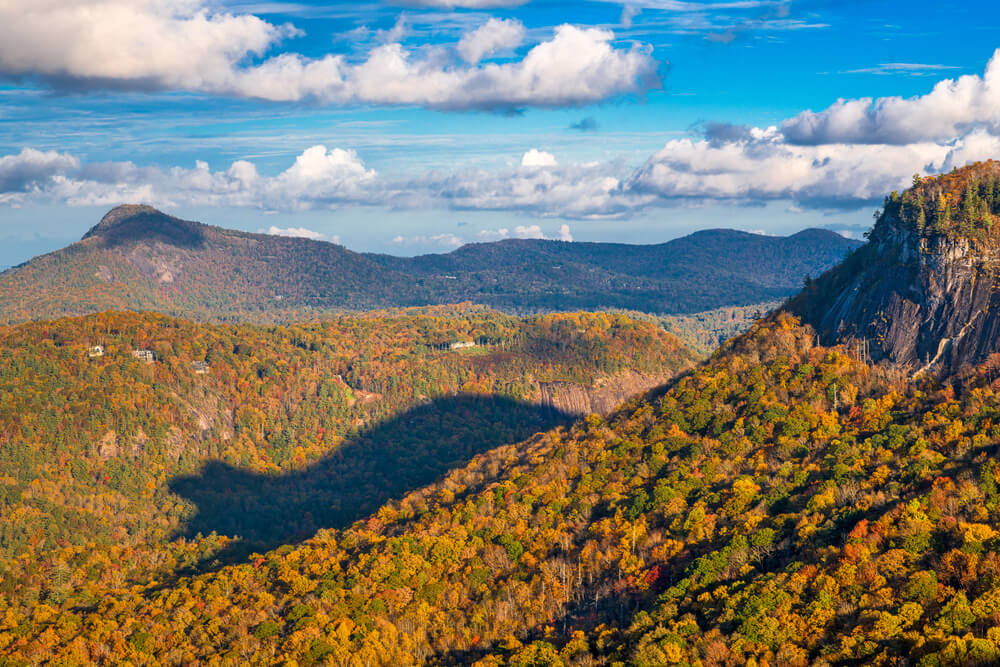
154,226
385,462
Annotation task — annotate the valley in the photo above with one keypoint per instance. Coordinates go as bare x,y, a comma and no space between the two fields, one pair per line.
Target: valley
448,485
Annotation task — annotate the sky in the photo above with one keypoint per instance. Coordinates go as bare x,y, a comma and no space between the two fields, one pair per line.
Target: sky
412,126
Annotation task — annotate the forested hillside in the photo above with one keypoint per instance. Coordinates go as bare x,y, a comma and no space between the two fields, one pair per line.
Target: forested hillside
138,258
785,503
102,458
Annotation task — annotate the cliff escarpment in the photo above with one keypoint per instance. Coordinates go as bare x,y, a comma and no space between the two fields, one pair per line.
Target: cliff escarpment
601,398
924,292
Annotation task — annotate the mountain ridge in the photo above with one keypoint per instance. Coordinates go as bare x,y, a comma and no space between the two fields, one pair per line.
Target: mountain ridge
142,259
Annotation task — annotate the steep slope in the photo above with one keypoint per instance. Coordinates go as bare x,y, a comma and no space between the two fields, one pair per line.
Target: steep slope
307,427
784,504
925,291
140,259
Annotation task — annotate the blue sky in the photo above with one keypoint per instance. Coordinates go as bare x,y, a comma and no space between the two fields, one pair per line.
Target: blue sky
416,126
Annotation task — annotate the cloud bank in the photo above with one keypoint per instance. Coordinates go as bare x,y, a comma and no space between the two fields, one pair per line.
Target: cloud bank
837,159
950,110
185,45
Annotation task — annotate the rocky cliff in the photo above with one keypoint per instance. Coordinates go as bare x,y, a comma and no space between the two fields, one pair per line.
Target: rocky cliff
602,398
924,292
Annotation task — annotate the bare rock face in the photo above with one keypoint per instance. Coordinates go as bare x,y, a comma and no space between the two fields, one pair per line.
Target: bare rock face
602,398
928,302
108,446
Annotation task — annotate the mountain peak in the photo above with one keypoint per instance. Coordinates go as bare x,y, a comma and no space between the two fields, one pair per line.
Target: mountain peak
139,222
963,203
924,292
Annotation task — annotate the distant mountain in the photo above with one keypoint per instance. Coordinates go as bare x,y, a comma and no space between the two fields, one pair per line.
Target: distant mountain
139,258
705,270
924,293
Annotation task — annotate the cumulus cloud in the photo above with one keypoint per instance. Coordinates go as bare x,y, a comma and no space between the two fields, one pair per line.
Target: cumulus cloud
33,169
444,240
294,232
576,66
763,167
537,158
524,232
492,36
572,190
448,240
951,109
721,133
760,167
318,178
520,232
186,45
175,44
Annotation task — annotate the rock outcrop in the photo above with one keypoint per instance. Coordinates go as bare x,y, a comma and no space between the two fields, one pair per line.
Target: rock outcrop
602,398
923,293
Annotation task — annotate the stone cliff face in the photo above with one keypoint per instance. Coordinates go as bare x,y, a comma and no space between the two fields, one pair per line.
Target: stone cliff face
602,398
930,303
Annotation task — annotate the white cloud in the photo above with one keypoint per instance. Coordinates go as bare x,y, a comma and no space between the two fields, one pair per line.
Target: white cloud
176,44
764,167
492,36
33,169
494,234
523,232
443,240
977,145
537,158
759,166
574,190
577,66
294,232
629,12
187,45
319,178
720,22
951,109
528,232
396,33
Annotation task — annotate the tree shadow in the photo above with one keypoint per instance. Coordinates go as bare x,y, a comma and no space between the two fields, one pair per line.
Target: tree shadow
384,462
